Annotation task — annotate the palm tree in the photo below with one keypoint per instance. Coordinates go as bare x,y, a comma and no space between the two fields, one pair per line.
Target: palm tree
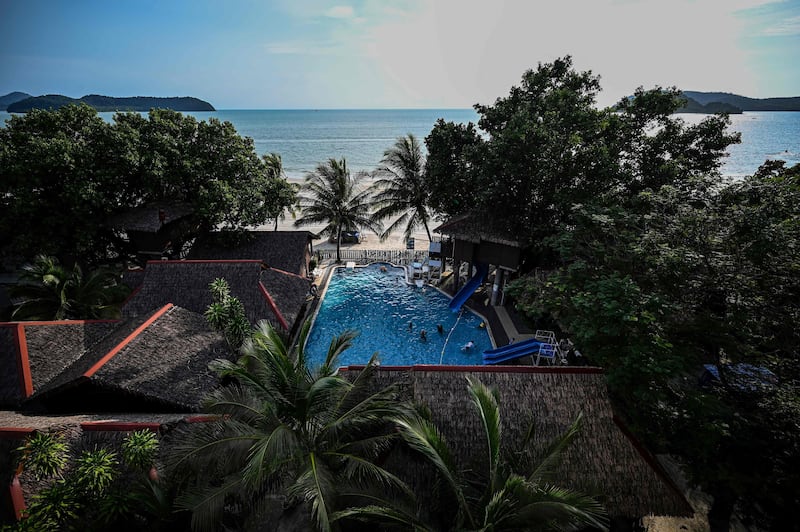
284,196
511,494
401,190
48,291
331,196
284,429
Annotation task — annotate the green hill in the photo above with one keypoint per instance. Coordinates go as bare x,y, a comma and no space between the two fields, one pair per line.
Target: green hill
712,107
108,103
12,97
744,103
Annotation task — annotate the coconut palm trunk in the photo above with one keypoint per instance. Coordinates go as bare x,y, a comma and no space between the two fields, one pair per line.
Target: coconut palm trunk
332,196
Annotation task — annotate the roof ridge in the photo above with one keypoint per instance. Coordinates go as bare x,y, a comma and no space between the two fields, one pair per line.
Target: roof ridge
128,339
55,322
279,270
273,306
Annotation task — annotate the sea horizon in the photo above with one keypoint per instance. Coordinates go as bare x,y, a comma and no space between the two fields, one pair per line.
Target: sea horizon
306,137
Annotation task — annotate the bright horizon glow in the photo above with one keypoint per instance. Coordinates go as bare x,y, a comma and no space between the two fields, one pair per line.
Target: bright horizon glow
395,54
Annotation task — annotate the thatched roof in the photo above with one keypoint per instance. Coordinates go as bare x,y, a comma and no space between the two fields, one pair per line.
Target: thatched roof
32,354
288,291
160,358
602,459
148,218
285,250
266,293
467,227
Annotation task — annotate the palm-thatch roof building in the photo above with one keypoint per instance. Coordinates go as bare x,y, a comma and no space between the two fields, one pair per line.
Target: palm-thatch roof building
289,251
477,241
156,362
156,229
604,459
266,293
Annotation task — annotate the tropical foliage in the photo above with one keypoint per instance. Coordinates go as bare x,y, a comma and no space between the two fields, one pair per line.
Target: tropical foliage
72,165
226,314
337,199
308,439
514,492
400,190
48,291
97,490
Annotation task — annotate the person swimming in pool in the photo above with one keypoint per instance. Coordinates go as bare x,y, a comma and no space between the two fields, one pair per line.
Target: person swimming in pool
440,329
468,346
423,335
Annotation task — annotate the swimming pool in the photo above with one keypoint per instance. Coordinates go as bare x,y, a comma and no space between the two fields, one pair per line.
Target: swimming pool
381,305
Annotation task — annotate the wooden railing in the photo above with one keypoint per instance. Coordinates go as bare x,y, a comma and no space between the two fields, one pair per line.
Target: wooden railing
366,256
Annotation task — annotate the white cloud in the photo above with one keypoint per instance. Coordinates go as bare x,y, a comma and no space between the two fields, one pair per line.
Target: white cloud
786,27
458,52
345,12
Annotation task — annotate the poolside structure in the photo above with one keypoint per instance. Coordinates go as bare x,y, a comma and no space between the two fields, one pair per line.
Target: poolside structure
476,243
289,251
157,229
604,459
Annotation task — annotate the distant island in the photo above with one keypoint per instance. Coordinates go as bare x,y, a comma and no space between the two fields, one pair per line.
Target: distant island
19,102
725,102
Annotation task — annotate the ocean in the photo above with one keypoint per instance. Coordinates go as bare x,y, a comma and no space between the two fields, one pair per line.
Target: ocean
305,138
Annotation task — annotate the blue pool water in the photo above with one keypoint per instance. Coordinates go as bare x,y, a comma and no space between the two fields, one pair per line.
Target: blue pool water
381,305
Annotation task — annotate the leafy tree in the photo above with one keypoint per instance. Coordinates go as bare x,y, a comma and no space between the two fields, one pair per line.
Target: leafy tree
331,196
512,493
70,164
453,182
50,292
400,189
547,147
283,429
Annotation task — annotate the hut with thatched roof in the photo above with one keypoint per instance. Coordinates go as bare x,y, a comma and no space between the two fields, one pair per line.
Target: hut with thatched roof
289,251
603,460
266,293
157,362
157,229
476,241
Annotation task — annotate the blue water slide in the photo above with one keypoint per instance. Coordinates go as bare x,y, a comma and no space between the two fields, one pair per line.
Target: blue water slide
511,351
469,287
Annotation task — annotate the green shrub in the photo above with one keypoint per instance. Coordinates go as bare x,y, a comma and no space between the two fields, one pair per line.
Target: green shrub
44,455
139,449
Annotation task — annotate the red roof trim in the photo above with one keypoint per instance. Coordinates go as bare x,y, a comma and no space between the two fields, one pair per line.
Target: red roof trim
119,426
131,295
23,365
17,497
289,273
196,261
576,370
14,433
273,306
108,356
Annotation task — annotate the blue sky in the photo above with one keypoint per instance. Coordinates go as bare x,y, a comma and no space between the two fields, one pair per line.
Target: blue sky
286,54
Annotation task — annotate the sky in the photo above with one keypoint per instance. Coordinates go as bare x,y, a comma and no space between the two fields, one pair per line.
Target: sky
346,54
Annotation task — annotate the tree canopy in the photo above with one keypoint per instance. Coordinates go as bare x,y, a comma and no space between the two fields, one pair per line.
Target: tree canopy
71,165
